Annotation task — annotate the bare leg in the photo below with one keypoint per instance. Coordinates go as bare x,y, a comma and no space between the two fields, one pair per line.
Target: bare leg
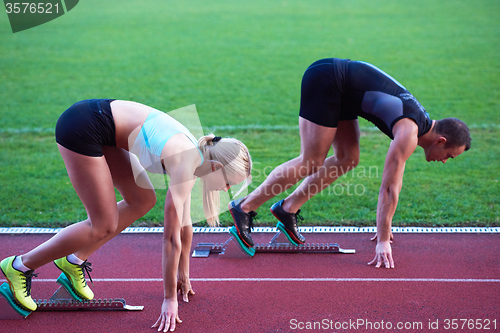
315,142
345,158
92,179
137,200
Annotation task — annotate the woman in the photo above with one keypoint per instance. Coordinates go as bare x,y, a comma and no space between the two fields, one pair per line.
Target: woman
96,138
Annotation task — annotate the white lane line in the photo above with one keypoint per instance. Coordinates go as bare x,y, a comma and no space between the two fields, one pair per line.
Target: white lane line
294,280
310,229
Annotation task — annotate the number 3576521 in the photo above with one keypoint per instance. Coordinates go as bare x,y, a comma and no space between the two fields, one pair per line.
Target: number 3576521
31,8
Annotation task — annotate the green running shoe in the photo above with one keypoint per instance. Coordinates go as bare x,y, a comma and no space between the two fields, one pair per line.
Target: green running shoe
20,283
76,275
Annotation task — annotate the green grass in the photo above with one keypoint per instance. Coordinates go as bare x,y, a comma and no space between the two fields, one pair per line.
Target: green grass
241,64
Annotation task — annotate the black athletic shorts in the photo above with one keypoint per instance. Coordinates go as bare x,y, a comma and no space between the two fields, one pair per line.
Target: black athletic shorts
87,126
322,92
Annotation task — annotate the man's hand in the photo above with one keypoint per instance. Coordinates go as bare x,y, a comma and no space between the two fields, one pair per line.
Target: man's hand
184,287
383,252
169,315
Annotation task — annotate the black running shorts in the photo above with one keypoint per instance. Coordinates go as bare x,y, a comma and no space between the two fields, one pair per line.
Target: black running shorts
87,126
322,92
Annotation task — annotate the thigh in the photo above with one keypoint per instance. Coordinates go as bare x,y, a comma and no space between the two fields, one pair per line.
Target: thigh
346,142
91,178
129,177
315,140
320,94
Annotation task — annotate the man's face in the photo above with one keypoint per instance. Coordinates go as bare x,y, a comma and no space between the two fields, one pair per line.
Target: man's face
438,152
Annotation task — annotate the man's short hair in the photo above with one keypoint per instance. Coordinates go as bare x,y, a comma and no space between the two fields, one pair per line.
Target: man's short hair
455,131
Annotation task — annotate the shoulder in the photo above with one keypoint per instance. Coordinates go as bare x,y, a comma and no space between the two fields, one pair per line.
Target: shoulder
180,152
405,133
405,127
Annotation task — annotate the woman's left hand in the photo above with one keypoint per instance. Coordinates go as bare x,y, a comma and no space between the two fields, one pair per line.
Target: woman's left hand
184,287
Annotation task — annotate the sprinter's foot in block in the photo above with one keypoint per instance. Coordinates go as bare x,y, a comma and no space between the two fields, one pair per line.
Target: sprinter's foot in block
243,222
76,276
19,283
288,223
247,250
9,306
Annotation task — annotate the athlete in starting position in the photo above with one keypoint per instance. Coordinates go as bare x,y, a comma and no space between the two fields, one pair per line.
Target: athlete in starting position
96,139
334,93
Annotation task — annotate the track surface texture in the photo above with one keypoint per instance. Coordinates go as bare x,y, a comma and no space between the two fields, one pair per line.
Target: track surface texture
439,281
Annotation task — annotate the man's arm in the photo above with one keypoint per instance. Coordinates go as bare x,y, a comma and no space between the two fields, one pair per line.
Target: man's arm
405,141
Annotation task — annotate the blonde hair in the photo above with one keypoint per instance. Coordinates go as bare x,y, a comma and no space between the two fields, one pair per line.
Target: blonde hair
236,160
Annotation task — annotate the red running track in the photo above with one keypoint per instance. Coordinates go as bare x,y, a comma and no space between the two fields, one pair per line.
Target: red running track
438,278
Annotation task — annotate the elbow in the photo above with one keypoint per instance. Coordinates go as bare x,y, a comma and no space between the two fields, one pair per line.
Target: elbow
172,240
172,244
391,192
176,246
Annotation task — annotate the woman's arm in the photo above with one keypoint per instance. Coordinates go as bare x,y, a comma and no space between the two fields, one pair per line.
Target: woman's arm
178,195
183,282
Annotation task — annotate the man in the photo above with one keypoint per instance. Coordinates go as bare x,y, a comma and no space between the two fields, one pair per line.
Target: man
334,93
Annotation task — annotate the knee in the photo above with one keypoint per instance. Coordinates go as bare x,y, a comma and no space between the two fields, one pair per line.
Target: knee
349,160
310,165
353,160
103,229
145,202
149,201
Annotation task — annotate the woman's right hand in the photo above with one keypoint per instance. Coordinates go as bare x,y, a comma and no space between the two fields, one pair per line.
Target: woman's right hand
169,315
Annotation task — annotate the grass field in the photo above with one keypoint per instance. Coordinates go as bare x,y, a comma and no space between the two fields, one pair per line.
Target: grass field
241,64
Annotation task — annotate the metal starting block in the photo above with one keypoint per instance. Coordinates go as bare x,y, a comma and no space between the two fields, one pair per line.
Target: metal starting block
62,300
278,244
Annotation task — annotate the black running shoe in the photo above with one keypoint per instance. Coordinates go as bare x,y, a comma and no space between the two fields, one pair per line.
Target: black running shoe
242,221
288,223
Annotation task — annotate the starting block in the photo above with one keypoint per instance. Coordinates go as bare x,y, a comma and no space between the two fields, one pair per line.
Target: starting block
63,299
278,244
